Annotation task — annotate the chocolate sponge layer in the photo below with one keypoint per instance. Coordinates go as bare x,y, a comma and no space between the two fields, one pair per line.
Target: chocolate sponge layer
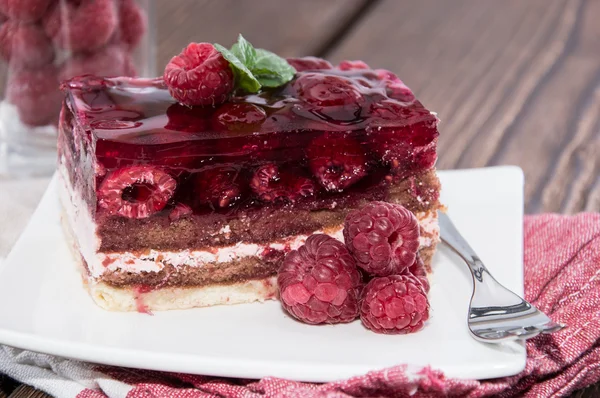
248,268
417,193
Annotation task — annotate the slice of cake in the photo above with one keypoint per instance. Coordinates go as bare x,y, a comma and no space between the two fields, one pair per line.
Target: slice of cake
170,206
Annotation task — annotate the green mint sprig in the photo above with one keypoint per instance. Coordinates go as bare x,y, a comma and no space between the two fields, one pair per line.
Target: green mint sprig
255,68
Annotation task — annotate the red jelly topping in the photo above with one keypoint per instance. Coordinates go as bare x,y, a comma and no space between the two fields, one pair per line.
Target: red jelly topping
325,137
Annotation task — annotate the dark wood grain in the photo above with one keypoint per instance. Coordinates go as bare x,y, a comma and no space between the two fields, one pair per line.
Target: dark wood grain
514,82
285,27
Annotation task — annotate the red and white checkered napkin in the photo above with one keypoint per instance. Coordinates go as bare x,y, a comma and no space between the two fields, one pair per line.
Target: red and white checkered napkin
562,278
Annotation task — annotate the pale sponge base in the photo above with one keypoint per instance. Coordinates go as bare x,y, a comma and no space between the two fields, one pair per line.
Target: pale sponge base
130,299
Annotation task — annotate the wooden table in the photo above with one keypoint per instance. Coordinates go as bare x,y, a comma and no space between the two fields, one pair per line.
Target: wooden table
513,82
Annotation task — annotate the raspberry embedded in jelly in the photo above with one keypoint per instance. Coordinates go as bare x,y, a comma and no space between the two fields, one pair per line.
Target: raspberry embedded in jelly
185,118
238,117
337,161
309,63
218,186
394,86
136,192
326,91
407,148
273,185
353,65
329,137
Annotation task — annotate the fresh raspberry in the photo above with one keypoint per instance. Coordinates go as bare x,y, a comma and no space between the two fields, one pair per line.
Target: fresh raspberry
395,304
383,237
132,23
328,91
337,161
218,186
184,118
136,191
273,185
24,10
309,63
238,117
24,45
199,76
36,95
352,65
319,282
83,25
417,269
113,60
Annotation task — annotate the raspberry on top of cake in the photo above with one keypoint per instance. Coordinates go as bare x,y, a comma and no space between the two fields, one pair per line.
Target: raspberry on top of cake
188,190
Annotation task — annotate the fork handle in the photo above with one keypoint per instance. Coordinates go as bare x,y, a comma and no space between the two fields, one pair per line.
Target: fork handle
450,235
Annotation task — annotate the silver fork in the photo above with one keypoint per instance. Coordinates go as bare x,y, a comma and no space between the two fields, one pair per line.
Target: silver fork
496,314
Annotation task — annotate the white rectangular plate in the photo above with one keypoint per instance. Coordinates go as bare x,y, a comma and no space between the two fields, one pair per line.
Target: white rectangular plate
44,307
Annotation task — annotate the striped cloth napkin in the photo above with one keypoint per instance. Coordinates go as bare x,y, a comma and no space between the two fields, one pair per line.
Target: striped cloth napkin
562,278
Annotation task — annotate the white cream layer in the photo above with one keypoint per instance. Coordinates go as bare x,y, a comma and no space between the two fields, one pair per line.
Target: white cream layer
154,260
84,229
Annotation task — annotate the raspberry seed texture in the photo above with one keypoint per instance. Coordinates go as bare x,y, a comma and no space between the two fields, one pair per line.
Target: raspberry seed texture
382,237
395,304
319,283
199,76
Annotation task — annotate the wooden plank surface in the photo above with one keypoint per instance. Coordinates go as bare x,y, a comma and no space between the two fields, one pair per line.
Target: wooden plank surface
285,27
514,82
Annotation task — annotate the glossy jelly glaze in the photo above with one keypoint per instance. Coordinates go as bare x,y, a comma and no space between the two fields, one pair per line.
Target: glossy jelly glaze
324,137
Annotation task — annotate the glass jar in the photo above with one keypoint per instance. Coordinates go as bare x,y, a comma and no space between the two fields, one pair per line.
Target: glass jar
44,42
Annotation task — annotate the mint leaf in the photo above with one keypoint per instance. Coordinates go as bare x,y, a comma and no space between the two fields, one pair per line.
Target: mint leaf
255,68
271,70
243,77
244,51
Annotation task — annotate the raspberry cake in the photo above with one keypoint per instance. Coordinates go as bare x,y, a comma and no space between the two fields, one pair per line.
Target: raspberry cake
171,206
